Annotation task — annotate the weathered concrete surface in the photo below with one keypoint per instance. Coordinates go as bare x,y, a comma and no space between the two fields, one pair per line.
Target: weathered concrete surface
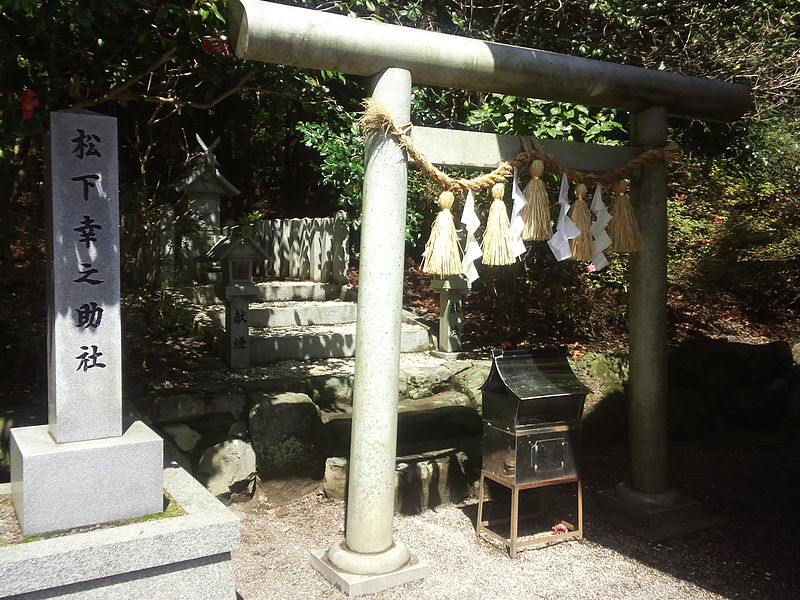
280,34
180,557
286,433
59,486
324,341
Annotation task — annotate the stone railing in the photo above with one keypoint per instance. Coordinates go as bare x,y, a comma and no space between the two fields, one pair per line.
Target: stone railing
306,249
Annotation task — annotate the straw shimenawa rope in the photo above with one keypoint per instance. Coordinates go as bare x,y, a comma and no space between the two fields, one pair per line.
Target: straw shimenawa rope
376,118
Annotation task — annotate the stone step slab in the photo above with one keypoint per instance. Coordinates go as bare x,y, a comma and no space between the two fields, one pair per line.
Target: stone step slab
423,424
292,313
329,382
322,341
272,291
424,479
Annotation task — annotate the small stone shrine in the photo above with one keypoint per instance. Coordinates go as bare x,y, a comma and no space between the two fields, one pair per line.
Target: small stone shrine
204,187
451,290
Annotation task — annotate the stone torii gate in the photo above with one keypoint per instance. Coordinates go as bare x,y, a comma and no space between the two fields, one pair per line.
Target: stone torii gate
369,558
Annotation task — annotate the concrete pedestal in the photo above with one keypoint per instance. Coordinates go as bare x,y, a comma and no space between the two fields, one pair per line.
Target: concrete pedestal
60,486
177,558
654,517
354,584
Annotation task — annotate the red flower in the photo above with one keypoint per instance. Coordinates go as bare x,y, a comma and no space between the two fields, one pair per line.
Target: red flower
28,102
591,268
210,47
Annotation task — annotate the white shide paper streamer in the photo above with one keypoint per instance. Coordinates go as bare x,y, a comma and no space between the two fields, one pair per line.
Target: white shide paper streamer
473,251
601,238
517,223
565,228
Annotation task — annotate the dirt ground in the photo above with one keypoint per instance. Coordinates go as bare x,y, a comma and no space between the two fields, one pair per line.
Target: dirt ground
747,478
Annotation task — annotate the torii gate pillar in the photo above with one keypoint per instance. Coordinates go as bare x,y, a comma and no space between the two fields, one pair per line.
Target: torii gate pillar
369,559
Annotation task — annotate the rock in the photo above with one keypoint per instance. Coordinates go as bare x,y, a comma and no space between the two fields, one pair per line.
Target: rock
238,429
331,390
422,481
335,482
287,434
431,481
610,371
796,353
228,470
469,382
183,407
419,382
184,436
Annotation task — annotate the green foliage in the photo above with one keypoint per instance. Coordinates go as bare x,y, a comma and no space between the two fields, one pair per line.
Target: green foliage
548,120
339,144
150,318
290,143
252,218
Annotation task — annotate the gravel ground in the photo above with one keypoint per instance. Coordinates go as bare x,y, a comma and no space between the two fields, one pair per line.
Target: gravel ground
748,481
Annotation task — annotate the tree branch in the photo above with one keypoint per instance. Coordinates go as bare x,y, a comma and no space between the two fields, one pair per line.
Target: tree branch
117,90
178,103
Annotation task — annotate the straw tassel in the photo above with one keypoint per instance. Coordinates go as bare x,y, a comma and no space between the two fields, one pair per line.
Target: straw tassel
623,229
498,245
442,255
581,246
536,213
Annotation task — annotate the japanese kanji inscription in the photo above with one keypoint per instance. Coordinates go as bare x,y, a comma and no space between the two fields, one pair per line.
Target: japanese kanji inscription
84,346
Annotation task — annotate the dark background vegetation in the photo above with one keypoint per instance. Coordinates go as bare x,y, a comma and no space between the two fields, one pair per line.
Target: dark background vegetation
288,140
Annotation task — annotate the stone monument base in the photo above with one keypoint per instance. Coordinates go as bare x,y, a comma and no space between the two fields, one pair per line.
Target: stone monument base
654,517
178,558
61,486
354,585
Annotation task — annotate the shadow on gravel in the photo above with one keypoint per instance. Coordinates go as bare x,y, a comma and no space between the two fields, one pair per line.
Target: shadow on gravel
747,478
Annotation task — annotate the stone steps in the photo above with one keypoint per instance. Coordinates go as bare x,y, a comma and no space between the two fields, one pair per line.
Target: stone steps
274,344
293,313
273,291
297,320
298,393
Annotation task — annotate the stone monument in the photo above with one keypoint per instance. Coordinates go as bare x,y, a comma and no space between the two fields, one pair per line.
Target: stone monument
82,468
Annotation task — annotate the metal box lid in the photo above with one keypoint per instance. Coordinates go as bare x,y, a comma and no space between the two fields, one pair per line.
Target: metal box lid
536,373
531,387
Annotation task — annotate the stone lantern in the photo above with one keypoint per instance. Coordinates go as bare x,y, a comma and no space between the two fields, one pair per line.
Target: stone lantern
204,187
451,290
237,252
